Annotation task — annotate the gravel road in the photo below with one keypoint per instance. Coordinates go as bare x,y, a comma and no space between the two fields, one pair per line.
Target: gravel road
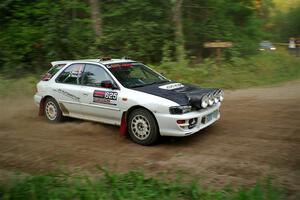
258,135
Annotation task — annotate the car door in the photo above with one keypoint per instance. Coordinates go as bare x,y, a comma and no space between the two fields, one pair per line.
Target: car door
66,90
99,102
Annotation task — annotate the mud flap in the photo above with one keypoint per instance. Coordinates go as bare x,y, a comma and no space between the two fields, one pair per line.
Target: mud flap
42,107
122,129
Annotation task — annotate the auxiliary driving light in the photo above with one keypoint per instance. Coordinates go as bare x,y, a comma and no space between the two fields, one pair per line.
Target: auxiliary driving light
204,101
221,95
216,95
211,99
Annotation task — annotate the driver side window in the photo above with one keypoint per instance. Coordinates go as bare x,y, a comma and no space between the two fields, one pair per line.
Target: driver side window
93,75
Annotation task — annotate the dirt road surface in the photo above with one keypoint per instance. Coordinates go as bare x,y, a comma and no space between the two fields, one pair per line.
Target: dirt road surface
258,135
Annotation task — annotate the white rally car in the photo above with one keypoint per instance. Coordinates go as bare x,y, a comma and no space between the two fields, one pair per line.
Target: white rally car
126,93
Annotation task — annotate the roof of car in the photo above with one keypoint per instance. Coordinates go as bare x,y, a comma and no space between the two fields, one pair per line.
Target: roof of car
105,62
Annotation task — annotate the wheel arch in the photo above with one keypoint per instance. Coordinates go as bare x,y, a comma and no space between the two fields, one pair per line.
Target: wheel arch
126,114
43,102
42,105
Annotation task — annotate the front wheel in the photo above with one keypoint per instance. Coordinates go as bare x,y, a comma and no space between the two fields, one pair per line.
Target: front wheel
52,110
142,127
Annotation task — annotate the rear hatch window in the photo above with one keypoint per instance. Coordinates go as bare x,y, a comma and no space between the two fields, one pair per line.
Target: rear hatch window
52,71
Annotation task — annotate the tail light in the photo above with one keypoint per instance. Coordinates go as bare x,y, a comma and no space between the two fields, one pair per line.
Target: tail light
46,77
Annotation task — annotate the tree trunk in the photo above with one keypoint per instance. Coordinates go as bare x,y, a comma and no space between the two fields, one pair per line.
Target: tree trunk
96,17
179,40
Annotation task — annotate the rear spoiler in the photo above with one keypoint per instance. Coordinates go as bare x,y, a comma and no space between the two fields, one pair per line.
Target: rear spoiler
61,62
64,62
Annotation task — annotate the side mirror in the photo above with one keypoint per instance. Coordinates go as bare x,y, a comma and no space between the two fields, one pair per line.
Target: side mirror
107,84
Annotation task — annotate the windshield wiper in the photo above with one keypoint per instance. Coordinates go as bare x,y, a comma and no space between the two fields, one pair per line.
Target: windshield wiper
146,84
161,81
141,85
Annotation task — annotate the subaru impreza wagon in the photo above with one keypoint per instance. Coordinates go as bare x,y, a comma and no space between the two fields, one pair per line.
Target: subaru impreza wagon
126,93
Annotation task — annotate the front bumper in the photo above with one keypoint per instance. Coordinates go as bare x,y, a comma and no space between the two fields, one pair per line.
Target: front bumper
168,125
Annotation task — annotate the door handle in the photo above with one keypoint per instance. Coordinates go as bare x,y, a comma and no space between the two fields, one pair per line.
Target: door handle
85,94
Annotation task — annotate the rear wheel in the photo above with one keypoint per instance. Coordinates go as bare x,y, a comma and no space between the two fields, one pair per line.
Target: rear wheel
52,110
142,127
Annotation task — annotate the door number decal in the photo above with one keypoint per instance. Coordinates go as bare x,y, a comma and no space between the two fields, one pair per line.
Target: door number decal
111,95
105,97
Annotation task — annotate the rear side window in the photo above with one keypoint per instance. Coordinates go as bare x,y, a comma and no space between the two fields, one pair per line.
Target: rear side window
55,69
71,74
52,71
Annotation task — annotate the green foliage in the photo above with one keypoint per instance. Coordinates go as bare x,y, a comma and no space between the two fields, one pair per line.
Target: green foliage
287,24
225,20
131,185
134,28
33,33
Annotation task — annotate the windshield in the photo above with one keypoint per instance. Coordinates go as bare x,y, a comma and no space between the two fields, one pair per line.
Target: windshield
132,75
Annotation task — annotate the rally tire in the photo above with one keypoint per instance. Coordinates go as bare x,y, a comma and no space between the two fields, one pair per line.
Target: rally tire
52,111
142,127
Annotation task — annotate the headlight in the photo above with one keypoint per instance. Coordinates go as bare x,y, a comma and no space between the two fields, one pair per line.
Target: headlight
177,110
204,101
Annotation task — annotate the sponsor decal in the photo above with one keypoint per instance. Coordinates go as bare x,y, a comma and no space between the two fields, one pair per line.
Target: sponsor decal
105,97
99,94
67,94
119,65
171,86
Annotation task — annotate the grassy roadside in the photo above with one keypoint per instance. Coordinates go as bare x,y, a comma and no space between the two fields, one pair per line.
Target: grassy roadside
17,87
132,185
264,68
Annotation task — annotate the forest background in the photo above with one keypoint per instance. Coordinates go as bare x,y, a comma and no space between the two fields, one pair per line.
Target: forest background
165,34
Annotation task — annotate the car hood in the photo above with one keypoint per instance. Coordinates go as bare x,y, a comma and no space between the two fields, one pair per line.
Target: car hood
181,93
